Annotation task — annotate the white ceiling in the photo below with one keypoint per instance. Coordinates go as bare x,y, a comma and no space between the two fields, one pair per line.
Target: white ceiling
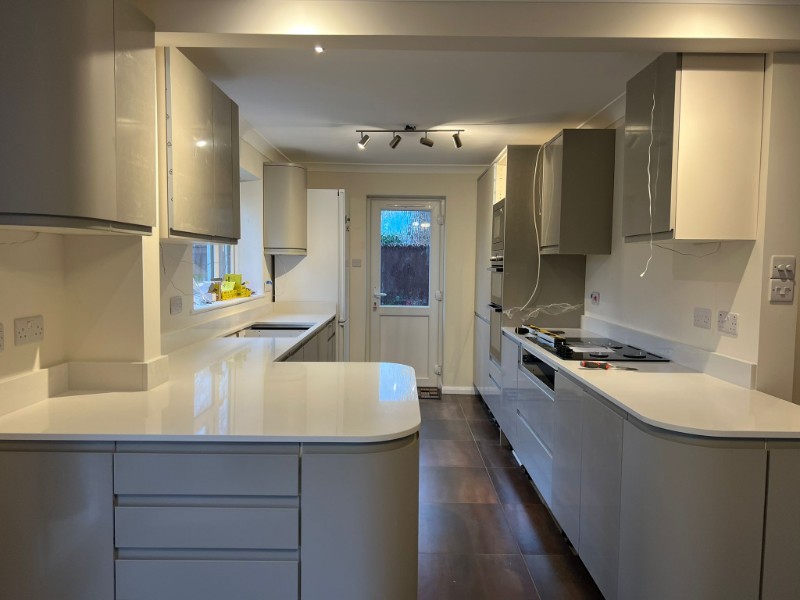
506,72
309,106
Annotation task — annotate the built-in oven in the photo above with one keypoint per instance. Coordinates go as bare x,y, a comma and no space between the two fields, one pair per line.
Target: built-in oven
496,280
539,370
495,332
498,226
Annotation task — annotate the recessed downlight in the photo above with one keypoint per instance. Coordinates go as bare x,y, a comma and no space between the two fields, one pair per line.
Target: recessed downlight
319,49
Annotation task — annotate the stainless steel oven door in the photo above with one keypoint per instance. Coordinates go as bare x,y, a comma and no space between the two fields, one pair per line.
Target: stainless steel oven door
495,332
496,286
498,225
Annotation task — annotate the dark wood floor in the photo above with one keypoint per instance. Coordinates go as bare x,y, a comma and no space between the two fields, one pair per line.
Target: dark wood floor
483,531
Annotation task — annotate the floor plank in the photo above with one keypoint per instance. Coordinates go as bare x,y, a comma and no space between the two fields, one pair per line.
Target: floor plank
465,529
445,430
513,486
449,453
456,484
561,577
474,577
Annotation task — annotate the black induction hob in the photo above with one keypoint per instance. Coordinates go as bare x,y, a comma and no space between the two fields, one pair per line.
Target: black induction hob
600,349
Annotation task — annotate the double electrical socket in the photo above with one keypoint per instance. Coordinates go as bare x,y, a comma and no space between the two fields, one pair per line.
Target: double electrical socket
28,330
727,322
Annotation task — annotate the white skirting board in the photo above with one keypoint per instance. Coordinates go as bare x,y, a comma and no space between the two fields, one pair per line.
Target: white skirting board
465,390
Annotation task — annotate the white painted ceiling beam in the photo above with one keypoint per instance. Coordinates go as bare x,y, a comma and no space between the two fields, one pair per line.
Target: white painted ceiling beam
486,26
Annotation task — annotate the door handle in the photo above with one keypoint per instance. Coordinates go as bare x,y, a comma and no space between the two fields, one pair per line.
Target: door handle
379,294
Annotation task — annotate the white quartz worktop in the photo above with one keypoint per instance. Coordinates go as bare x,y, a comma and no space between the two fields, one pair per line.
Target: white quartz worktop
230,389
675,398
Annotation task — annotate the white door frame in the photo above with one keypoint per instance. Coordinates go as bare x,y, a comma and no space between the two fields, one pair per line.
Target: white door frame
442,201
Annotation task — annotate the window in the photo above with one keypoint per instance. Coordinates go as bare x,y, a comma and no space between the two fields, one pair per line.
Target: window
211,261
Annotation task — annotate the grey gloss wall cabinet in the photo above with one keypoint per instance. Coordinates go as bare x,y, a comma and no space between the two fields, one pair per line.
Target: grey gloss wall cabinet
577,192
199,153
693,127
78,100
285,209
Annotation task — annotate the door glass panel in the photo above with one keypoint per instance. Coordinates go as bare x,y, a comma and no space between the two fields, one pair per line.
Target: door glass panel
405,257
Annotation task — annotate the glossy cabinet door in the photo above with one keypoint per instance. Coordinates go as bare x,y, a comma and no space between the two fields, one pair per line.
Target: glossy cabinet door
781,578
57,530
359,510
684,164
483,244
567,451
692,516
77,118
601,478
506,413
480,365
201,139
534,432
649,131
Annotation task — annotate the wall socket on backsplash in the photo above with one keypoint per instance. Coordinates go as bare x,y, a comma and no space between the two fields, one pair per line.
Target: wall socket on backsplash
28,330
702,317
728,322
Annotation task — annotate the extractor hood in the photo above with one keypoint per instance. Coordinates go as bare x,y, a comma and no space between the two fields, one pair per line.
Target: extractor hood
285,209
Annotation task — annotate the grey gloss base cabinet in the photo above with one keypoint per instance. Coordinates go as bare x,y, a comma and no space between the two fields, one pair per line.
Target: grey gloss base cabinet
203,521
654,514
321,347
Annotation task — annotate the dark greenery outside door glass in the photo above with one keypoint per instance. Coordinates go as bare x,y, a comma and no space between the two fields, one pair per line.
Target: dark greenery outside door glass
405,257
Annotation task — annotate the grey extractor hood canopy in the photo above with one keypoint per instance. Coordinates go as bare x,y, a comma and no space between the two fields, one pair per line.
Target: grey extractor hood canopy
285,209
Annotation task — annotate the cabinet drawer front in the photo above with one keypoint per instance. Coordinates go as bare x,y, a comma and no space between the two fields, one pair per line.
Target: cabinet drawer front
206,580
194,527
206,474
536,407
535,457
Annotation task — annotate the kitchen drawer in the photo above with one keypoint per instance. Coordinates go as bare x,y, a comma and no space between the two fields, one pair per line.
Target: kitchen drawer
206,580
535,457
536,407
206,527
206,474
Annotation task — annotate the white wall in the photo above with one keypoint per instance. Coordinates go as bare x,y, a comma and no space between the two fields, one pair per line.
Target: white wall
460,193
662,302
733,276
32,273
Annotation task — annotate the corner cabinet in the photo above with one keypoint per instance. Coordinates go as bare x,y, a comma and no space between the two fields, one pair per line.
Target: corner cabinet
198,153
78,113
577,192
693,127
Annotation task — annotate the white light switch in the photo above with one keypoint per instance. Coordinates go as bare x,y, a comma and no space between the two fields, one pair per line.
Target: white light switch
175,305
781,290
783,267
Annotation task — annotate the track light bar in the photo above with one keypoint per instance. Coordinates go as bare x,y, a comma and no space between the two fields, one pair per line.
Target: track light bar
396,138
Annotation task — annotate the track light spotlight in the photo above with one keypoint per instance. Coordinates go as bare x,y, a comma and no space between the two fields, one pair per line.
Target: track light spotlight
395,140
426,141
457,139
362,143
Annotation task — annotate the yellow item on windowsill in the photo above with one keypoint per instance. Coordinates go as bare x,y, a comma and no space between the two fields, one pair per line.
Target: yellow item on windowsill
232,287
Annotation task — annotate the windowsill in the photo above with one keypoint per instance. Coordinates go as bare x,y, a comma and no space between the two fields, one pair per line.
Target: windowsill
203,308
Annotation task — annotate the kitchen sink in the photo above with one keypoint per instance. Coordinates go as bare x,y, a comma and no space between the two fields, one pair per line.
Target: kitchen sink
274,330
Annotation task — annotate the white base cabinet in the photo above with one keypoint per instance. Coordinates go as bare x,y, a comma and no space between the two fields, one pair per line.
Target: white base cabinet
781,578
